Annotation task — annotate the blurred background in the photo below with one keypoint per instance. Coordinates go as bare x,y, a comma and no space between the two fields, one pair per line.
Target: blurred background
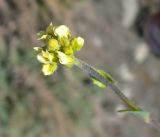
67,104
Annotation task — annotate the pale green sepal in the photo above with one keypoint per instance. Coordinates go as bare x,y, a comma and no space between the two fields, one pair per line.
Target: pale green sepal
50,29
77,43
42,35
68,50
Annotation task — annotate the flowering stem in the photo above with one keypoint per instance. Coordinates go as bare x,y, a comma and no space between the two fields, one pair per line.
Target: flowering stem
130,104
93,73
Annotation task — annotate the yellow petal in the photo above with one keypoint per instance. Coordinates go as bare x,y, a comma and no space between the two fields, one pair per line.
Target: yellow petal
42,59
80,41
49,69
53,45
65,59
62,31
49,56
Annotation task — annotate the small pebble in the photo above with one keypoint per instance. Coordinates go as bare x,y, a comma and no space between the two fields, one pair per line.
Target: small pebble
141,52
125,73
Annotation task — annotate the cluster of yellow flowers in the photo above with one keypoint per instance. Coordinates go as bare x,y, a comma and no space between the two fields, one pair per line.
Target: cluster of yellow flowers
59,48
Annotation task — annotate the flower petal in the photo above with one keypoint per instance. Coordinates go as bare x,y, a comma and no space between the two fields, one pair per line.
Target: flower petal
62,31
49,56
49,69
42,59
37,49
65,59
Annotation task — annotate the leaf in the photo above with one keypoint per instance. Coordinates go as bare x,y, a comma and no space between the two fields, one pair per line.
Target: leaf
107,76
140,113
98,83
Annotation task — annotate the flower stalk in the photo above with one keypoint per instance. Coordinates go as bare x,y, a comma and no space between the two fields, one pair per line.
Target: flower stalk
132,107
59,48
93,73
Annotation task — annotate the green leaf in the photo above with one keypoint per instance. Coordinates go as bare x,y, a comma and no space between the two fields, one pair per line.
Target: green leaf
98,83
107,76
140,113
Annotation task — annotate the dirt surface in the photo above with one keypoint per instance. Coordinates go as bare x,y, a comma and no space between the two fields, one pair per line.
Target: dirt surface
31,104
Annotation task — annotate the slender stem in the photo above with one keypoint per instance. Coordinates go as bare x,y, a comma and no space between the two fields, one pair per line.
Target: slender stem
93,73
132,106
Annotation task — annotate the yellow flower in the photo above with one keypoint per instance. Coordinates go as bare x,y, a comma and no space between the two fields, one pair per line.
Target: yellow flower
49,69
77,43
59,48
45,57
65,59
62,31
53,45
